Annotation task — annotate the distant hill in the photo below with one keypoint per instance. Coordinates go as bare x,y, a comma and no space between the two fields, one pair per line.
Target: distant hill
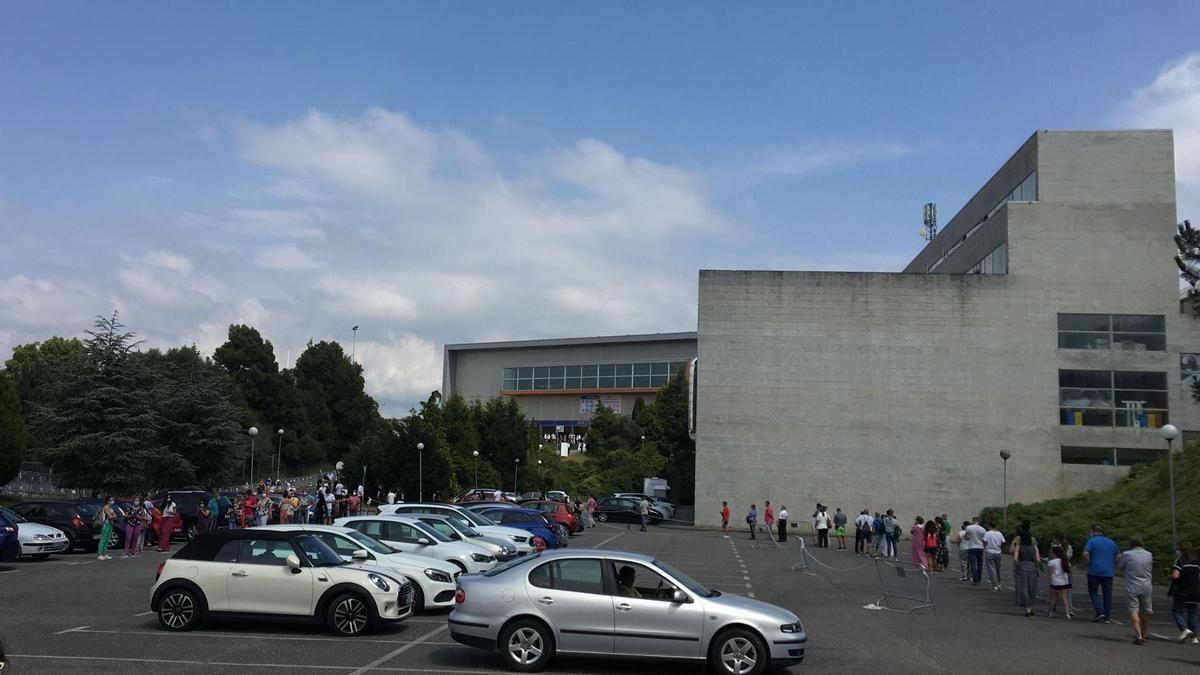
1138,505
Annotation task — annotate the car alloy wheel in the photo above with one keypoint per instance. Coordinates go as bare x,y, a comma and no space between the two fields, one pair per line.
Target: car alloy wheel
602,517
739,655
527,645
177,610
350,616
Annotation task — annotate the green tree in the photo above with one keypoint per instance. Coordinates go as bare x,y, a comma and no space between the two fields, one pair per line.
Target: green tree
609,431
35,367
461,439
667,428
1187,243
504,435
12,430
331,392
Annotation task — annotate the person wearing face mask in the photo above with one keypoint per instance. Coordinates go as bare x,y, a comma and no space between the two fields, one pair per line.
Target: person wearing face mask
106,516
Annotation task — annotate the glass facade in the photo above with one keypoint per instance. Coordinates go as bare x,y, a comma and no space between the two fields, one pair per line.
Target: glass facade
1128,332
995,262
644,375
1104,398
1026,191
1075,454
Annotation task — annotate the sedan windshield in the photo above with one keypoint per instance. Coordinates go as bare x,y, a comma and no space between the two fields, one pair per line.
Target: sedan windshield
369,543
514,516
428,529
477,518
318,553
11,515
682,578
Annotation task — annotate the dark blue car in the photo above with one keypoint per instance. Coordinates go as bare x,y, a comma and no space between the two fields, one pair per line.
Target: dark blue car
10,546
530,520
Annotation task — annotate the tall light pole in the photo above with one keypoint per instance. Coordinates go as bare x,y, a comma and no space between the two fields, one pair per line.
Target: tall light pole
1169,432
516,468
1004,455
475,454
353,343
279,454
420,472
253,431
542,475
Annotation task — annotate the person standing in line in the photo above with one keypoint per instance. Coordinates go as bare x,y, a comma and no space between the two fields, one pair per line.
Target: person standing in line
725,519
993,551
330,505
591,511
104,520
975,547
234,514
893,530
1060,581
166,525
783,518
1101,554
752,520
1185,594
822,525
1026,560
214,508
960,538
262,509
354,504
285,509
203,516
862,532
878,547
130,528
839,529
1138,564
644,512
391,497
932,528
917,552
768,517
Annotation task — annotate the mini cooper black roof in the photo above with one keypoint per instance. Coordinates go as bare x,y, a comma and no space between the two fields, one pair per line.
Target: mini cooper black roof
206,544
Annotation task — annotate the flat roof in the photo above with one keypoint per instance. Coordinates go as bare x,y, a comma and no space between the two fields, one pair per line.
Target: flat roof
575,342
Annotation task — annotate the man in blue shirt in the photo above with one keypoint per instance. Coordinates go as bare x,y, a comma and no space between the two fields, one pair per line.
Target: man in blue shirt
1101,554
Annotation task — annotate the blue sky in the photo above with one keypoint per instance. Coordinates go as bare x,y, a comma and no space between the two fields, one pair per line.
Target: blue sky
447,172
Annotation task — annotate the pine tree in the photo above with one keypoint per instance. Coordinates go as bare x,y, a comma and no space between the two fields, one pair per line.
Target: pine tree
1187,241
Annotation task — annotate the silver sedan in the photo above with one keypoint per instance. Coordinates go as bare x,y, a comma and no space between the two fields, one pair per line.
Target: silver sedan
610,603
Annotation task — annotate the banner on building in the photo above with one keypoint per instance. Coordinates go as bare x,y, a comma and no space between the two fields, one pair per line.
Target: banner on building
587,403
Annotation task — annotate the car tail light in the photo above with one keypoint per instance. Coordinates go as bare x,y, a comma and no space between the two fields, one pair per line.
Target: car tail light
158,572
9,529
460,596
77,522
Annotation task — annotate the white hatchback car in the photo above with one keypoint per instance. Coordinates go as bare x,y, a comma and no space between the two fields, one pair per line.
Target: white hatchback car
409,535
432,580
280,575
522,540
37,541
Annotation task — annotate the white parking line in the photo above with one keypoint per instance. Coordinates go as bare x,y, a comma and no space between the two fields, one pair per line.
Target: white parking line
177,662
608,540
396,652
244,636
144,614
76,629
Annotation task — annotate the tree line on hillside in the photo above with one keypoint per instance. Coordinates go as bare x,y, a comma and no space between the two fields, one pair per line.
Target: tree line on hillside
107,416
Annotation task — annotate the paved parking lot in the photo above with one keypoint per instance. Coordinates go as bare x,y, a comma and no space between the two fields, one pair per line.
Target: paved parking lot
74,614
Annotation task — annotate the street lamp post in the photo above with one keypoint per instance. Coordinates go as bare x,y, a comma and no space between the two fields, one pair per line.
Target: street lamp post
1004,455
475,454
542,475
516,472
420,472
253,431
279,454
1170,432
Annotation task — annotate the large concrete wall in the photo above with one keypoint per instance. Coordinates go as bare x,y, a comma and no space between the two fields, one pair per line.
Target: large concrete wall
899,390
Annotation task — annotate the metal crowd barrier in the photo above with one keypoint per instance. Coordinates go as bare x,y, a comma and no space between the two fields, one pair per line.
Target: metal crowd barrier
906,581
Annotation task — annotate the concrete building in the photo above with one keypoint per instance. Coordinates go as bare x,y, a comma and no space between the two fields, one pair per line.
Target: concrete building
559,382
1044,320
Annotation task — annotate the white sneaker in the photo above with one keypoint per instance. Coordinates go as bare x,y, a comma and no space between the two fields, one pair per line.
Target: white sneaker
1184,636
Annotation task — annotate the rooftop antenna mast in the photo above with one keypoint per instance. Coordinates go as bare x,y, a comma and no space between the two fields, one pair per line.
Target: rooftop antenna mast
930,229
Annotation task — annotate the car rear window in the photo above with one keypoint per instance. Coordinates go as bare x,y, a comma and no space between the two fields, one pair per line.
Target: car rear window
88,510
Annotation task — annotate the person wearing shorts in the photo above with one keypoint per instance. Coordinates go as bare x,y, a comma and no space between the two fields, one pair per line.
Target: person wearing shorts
1138,564
1060,582
839,529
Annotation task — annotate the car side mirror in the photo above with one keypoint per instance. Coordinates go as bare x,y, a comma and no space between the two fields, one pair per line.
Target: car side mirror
424,541
293,563
679,597
361,554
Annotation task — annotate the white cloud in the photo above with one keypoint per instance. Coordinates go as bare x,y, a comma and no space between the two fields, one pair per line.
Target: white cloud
168,260
40,303
1172,101
406,367
807,158
286,257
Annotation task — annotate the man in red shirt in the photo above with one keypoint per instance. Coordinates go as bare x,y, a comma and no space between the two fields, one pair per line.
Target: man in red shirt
769,517
248,505
725,518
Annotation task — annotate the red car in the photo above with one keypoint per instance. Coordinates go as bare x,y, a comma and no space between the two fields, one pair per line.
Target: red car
560,512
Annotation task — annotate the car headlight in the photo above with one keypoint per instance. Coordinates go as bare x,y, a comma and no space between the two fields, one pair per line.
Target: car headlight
481,558
42,537
438,576
380,582
792,628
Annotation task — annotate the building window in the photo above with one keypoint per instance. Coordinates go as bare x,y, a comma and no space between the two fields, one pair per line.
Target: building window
1104,398
642,375
995,262
1074,454
1126,332
1026,191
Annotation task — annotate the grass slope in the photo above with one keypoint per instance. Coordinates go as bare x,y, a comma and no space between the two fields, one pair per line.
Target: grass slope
1140,504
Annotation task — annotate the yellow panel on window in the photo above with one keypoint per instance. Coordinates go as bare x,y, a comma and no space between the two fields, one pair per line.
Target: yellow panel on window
1078,419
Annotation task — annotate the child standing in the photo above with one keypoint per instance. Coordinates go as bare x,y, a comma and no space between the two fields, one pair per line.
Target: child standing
1060,581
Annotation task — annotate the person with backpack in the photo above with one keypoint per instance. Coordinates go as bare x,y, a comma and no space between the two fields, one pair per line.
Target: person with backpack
752,520
877,532
862,532
1185,594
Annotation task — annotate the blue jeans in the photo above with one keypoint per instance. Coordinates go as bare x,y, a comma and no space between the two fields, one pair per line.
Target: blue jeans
1185,616
975,564
877,544
1102,605
644,519
993,568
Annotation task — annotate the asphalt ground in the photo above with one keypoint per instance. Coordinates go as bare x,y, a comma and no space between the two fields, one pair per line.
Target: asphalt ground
74,614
